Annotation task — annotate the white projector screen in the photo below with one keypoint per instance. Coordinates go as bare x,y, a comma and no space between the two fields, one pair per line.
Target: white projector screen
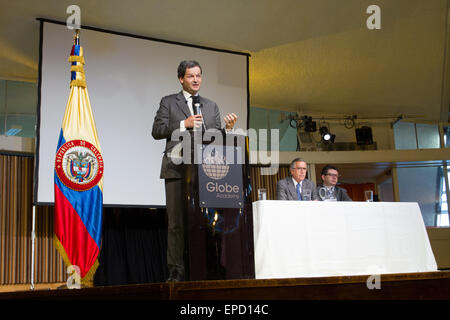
126,77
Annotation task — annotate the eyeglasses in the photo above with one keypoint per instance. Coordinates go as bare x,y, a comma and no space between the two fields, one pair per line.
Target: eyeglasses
333,175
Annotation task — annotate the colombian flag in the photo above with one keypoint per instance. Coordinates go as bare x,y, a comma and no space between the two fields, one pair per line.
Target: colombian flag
78,177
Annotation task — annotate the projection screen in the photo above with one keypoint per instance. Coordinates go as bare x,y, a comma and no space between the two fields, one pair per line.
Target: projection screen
127,75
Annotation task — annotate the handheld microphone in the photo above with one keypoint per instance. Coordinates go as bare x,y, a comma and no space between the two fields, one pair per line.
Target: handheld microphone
196,108
196,105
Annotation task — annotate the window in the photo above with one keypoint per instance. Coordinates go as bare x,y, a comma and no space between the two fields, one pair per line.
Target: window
424,183
18,108
442,218
409,135
447,137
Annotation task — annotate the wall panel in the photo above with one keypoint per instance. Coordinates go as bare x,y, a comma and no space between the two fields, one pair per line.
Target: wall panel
16,189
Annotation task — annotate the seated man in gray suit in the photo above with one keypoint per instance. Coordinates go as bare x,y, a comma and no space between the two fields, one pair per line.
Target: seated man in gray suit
296,186
330,176
176,113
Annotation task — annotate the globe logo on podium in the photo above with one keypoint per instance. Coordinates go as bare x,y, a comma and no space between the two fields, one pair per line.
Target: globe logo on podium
215,167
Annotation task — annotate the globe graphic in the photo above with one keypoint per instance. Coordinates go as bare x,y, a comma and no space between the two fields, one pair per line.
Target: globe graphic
215,167
215,171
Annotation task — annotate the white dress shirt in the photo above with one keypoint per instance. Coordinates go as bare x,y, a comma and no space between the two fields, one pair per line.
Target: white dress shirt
188,98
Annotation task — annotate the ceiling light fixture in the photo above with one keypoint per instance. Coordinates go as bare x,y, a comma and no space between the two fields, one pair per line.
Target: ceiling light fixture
327,136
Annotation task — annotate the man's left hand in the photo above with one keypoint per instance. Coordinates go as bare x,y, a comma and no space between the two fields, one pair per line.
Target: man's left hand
230,119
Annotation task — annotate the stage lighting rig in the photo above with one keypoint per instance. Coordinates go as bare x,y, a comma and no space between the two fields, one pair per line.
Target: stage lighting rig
327,136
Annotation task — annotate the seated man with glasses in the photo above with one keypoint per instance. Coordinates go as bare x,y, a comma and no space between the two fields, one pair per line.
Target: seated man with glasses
296,186
330,177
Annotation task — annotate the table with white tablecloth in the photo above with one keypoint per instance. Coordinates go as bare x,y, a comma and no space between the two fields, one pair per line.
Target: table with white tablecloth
316,239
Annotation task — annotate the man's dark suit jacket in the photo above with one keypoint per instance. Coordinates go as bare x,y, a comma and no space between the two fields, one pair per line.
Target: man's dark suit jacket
340,193
172,110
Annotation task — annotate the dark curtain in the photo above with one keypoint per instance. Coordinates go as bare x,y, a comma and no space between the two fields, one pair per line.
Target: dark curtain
134,245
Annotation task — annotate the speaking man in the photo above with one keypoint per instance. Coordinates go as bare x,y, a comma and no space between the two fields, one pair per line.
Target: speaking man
180,111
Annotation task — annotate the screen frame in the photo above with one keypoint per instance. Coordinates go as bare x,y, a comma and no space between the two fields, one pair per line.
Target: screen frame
39,87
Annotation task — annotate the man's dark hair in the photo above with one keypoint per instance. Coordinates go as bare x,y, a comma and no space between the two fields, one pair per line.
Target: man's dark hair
328,167
187,65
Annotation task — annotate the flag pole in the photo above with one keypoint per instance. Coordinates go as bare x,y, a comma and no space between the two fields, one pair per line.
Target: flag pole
76,37
33,237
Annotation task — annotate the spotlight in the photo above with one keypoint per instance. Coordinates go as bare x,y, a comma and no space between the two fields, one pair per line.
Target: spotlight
332,137
327,136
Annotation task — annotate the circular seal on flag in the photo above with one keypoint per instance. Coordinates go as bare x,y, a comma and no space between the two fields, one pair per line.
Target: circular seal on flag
79,165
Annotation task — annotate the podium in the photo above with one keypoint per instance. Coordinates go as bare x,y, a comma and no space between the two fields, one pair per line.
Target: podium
218,224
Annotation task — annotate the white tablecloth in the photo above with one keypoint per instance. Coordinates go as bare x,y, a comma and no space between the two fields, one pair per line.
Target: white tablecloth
315,239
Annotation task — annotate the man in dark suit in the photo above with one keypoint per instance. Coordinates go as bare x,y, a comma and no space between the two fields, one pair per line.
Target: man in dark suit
296,186
330,176
176,114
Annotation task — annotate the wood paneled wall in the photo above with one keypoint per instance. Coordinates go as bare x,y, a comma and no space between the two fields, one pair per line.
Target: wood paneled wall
16,194
267,181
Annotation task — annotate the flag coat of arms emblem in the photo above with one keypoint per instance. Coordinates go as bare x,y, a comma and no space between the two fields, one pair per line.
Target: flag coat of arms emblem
78,177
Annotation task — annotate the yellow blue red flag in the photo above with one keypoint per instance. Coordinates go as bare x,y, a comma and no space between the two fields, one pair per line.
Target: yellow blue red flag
78,177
